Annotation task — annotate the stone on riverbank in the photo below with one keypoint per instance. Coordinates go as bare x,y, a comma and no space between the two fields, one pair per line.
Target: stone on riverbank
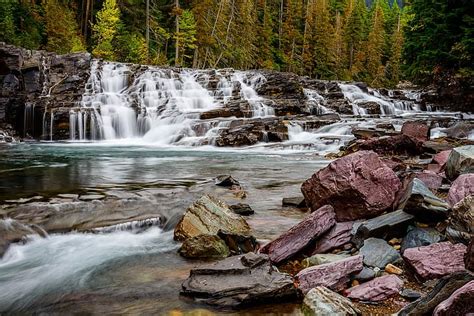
242,209
13,231
462,187
469,256
376,290
461,302
207,216
436,260
321,301
339,235
204,246
416,129
358,186
460,161
297,201
300,235
239,281
461,220
378,253
418,237
323,259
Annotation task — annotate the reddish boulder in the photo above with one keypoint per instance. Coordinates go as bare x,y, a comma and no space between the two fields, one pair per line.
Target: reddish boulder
416,129
300,235
431,179
461,302
358,186
399,144
441,158
339,235
436,260
377,289
462,187
334,275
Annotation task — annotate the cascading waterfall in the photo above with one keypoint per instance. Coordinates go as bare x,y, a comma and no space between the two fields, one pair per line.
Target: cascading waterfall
316,102
248,93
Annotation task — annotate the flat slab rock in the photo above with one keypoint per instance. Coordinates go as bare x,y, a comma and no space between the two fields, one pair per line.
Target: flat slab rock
239,281
436,260
358,186
378,253
339,235
300,235
208,215
376,290
461,302
334,275
322,301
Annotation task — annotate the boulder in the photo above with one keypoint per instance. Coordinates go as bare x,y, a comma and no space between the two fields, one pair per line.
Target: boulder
390,225
238,244
358,186
460,161
339,235
376,290
321,301
418,200
239,281
416,129
322,259
460,130
441,158
461,302
297,201
300,235
334,275
436,260
418,237
443,289
378,253
204,246
431,179
242,209
462,187
461,219
394,145
207,216
469,256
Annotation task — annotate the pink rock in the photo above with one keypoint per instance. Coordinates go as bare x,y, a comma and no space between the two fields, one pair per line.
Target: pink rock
462,187
334,275
430,179
398,144
433,167
442,157
358,186
469,256
416,129
299,236
461,302
436,260
377,289
339,235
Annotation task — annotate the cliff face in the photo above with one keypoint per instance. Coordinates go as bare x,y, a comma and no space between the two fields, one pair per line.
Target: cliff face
32,83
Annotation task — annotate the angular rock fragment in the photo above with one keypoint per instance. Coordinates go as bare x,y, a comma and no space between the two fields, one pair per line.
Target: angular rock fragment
322,259
418,237
416,129
461,187
204,246
321,301
239,281
226,181
399,144
333,275
378,253
300,235
436,260
297,201
461,302
358,186
207,216
376,290
365,275
461,220
238,244
242,209
431,179
410,294
460,161
339,235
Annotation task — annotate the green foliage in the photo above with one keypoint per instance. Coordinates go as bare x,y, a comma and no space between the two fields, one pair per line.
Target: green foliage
106,29
186,37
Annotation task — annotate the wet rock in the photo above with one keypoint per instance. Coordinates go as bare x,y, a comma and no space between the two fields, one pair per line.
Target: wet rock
339,235
91,197
226,181
376,290
469,256
207,216
459,303
239,281
445,287
297,201
322,259
418,237
410,295
358,186
461,187
204,246
378,253
238,244
461,219
419,201
416,129
365,275
460,130
12,231
436,260
460,161
322,301
393,224
242,209
300,235
431,179
333,275
399,144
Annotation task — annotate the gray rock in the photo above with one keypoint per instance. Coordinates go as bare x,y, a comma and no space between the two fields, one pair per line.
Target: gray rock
242,209
321,301
418,237
378,253
239,281
226,181
204,246
460,161
410,294
297,201
322,259
365,275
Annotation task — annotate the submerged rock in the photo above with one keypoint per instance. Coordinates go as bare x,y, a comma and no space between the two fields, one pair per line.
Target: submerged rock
339,235
239,281
299,236
460,161
321,301
461,302
376,290
436,260
358,186
226,181
378,253
297,201
207,216
462,187
418,237
242,209
204,246
334,275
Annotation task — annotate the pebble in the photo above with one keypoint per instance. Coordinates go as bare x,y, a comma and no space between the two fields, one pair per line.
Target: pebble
390,268
395,241
410,294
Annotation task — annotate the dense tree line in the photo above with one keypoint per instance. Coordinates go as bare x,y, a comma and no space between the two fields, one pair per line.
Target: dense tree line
329,39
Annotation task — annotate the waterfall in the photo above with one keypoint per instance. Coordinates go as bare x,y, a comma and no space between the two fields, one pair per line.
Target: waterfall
315,102
248,85
29,119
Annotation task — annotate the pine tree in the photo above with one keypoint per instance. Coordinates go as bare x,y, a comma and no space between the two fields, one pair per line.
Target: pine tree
375,49
186,37
394,63
106,29
324,42
292,37
355,32
7,23
265,38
